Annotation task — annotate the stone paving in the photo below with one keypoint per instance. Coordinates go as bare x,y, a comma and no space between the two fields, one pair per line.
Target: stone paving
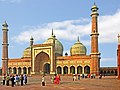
34,83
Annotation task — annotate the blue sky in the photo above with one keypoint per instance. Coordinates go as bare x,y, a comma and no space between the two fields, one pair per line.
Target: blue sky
68,18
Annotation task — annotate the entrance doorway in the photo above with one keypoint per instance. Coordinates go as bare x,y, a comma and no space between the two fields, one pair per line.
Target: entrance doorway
47,68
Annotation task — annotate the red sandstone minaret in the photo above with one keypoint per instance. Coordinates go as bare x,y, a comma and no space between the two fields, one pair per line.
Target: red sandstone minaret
5,48
95,55
118,55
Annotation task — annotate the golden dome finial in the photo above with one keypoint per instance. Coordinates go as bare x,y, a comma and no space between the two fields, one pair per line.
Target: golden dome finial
78,39
53,35
31,38
31,41
52,31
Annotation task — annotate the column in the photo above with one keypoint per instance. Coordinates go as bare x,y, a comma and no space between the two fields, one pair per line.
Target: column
68,70
12,70
21,70
26,70
62,70
75,70
16,70
82,70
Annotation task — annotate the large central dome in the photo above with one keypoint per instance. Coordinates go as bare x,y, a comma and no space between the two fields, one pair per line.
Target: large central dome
78,49
58,45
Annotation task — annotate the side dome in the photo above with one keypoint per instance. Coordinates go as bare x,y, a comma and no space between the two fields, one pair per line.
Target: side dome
78,49
27,53
58,45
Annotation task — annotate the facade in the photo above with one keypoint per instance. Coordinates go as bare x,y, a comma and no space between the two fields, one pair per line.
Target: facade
108,71
48,57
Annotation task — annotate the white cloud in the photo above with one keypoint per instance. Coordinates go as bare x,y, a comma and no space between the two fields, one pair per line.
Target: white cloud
107,59
11,1
70,29
108,25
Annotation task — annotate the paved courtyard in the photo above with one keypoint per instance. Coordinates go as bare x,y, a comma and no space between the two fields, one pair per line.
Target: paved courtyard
34,83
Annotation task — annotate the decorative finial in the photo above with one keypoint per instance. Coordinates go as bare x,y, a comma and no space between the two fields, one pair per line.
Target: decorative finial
31,41
118,38
78,39
94,3
5,24
31,38
52,31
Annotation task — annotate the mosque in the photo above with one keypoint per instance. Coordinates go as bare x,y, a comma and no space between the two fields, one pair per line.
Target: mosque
48,57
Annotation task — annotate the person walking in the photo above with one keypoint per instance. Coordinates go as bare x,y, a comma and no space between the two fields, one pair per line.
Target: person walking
25,79
22,78
78,76
57,79
7,80
52,79
43,81
74,77
4,78
17,79
12,81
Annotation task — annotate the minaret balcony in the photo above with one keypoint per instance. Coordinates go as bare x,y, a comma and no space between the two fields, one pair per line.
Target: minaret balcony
94,34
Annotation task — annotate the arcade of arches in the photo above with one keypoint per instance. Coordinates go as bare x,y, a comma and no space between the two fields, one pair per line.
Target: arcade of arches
19,70
73,70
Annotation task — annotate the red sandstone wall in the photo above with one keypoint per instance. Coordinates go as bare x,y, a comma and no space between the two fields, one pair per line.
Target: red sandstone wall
119,61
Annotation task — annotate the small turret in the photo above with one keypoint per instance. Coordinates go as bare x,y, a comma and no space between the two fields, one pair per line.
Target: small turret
31,41
5,26
94,10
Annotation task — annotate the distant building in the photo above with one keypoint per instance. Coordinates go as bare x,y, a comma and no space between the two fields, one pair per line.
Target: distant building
108,71
118,56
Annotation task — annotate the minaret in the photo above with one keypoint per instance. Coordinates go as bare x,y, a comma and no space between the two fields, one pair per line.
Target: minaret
118,56
5,48
95,66
31,45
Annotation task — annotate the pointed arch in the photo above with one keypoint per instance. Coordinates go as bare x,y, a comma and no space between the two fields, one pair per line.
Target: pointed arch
10,70
29,70
19,70
87,70
79,70
47,68
72,70
38,63
24,70
65,70
14,70
59,70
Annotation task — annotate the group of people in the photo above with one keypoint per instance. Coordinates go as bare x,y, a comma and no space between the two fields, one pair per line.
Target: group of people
78,76
92,75
15,80
54,79
75,77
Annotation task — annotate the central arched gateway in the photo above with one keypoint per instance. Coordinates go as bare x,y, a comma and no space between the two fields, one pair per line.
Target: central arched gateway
39,63
46,68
